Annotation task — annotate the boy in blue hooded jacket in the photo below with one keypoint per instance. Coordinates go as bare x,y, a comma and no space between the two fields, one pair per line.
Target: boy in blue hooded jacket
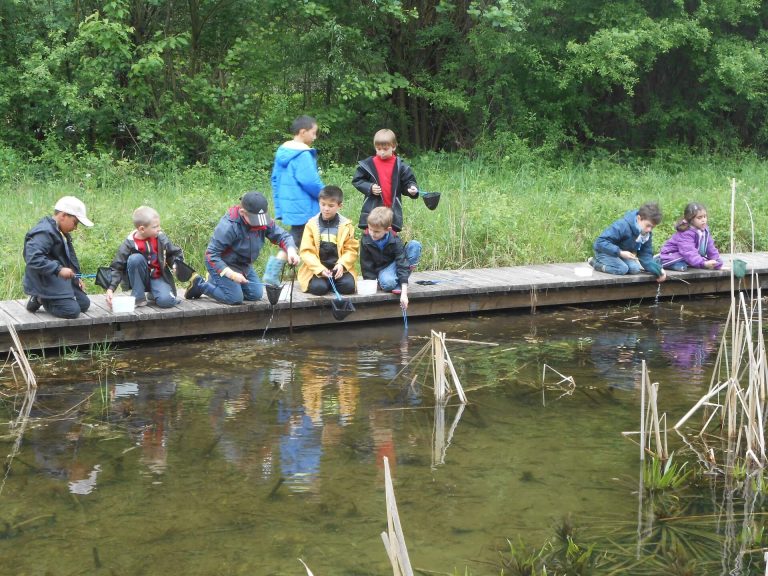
626,246
296,185
234,247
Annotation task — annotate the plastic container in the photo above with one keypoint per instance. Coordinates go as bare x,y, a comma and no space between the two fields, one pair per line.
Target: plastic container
367,287
583,271
123,304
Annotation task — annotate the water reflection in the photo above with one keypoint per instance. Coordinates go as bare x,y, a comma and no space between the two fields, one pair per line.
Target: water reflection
261,451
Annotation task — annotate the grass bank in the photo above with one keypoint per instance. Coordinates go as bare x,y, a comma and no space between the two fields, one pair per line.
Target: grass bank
505,212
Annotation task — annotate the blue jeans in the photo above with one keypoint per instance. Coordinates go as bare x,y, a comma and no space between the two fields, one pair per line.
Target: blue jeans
69,308
388,275
615,265
679,266
138,276
230,292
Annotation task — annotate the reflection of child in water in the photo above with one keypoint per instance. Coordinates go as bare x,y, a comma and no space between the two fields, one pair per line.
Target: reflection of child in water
688,349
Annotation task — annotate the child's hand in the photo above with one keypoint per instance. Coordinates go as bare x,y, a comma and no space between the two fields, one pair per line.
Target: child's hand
338,271
413,191
293,256
237,277
109,295
662,278
711,264
66,273
627,255
404,301
376,189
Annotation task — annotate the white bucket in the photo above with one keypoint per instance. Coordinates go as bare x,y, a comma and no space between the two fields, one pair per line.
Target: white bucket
367,287
123,304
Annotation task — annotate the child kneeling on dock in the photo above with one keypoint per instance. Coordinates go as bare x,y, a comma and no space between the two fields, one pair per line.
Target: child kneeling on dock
52,273
236,243
328,248
143,262
384,257
626,247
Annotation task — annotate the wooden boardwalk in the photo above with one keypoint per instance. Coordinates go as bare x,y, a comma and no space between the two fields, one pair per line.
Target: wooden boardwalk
455,292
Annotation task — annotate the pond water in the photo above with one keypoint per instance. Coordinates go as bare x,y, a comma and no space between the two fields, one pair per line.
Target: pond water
241,455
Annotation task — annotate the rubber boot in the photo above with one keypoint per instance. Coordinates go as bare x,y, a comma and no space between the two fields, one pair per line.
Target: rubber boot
272,271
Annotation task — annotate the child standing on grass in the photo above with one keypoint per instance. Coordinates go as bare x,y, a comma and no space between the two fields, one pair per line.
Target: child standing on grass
383,179
384,257
234,247
52,269
296,185
626,246
692,245
328,248
144,260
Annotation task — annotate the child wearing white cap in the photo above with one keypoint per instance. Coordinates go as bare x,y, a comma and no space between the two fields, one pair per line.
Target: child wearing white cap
51,273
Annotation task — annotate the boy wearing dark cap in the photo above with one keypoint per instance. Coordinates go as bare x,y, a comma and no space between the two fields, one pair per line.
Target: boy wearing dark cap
234,247
51,277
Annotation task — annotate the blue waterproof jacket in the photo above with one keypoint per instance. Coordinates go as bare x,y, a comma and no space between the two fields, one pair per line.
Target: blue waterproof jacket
295,183
46,251
236,244
624,234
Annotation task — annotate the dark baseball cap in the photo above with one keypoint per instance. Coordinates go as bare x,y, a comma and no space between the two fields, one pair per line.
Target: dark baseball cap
256,206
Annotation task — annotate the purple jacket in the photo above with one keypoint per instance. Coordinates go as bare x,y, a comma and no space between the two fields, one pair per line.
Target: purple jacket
685,246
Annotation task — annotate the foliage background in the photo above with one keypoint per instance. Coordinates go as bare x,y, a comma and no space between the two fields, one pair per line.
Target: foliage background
218,81
539,120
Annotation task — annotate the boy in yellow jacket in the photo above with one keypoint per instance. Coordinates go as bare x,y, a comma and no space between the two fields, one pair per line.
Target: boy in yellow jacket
328,248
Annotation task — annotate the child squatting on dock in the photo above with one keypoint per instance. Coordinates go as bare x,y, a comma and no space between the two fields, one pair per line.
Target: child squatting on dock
328,248
143,262
384,256
51,276
692,245
626,246
233,248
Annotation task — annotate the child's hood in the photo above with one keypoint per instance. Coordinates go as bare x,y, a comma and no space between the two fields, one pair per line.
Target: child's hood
631,218
289,150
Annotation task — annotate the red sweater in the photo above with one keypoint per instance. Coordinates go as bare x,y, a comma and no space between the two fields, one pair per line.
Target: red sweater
385,168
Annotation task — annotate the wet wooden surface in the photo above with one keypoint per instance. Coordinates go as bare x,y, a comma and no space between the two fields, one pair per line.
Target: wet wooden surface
454,292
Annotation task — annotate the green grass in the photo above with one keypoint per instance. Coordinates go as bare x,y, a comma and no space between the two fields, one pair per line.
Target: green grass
497,213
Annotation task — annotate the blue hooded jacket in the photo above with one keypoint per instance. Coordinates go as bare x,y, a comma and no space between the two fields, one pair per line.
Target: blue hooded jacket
624,234
295,183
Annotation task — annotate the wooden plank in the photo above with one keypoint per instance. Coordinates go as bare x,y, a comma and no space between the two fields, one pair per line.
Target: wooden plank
457,291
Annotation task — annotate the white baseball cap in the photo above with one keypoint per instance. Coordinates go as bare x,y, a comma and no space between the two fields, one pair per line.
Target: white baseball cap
74,207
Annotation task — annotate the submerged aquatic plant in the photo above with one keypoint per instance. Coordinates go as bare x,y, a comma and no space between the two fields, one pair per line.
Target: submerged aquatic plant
659,475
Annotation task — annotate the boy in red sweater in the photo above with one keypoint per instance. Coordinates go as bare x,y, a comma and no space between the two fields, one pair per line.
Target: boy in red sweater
383,179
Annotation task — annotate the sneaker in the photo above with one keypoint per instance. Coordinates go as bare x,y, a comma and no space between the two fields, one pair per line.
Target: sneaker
140,303
33,304
397,291
412,267
195,289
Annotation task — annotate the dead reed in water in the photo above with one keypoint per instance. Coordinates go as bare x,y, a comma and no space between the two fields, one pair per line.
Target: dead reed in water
19,424
394,540
734,407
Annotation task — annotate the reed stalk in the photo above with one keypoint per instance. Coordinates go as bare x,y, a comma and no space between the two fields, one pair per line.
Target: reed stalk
19,425
393,538
740,413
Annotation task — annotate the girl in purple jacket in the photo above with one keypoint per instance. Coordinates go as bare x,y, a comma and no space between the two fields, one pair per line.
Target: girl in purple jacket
692,244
